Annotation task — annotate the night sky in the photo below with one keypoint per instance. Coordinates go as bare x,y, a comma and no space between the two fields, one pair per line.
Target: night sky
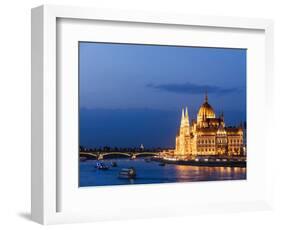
133,94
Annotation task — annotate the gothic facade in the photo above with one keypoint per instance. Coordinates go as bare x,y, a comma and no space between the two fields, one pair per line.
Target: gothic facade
208,135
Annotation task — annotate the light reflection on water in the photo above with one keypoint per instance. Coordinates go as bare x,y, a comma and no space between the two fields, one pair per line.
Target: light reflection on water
152,172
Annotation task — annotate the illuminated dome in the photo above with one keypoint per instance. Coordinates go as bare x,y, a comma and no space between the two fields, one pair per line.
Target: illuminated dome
205,111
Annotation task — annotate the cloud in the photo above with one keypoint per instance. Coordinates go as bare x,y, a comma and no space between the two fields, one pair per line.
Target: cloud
190,88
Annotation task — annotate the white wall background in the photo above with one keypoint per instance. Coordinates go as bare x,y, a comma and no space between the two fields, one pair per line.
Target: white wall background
15,111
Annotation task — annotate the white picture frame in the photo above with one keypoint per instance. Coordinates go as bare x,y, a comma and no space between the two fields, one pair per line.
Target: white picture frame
46,181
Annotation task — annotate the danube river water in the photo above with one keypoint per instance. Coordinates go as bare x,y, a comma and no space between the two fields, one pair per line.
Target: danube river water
152,172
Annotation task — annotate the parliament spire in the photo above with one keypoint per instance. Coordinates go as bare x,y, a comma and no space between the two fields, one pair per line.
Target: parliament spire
206,97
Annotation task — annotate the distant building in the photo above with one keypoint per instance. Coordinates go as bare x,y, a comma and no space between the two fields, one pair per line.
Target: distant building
208,135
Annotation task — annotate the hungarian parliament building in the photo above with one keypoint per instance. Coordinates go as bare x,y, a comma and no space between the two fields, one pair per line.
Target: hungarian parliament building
208,135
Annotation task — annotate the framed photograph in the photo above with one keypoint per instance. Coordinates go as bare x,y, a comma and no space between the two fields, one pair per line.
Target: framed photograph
139,114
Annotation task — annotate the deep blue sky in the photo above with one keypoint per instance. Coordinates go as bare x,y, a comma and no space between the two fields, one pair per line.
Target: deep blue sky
133,94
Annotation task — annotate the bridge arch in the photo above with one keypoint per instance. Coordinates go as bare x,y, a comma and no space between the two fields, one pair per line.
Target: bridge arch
116,154
145,154
88,155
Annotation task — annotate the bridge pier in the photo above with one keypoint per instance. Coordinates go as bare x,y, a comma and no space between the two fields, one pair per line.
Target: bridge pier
100,157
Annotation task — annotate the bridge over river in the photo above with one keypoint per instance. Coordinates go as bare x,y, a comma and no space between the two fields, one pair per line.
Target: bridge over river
101,156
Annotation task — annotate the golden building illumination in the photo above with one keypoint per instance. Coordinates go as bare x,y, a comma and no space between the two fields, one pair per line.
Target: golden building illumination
208,135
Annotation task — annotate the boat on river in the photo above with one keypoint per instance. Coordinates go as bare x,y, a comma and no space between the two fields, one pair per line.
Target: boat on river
101,166
127,173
